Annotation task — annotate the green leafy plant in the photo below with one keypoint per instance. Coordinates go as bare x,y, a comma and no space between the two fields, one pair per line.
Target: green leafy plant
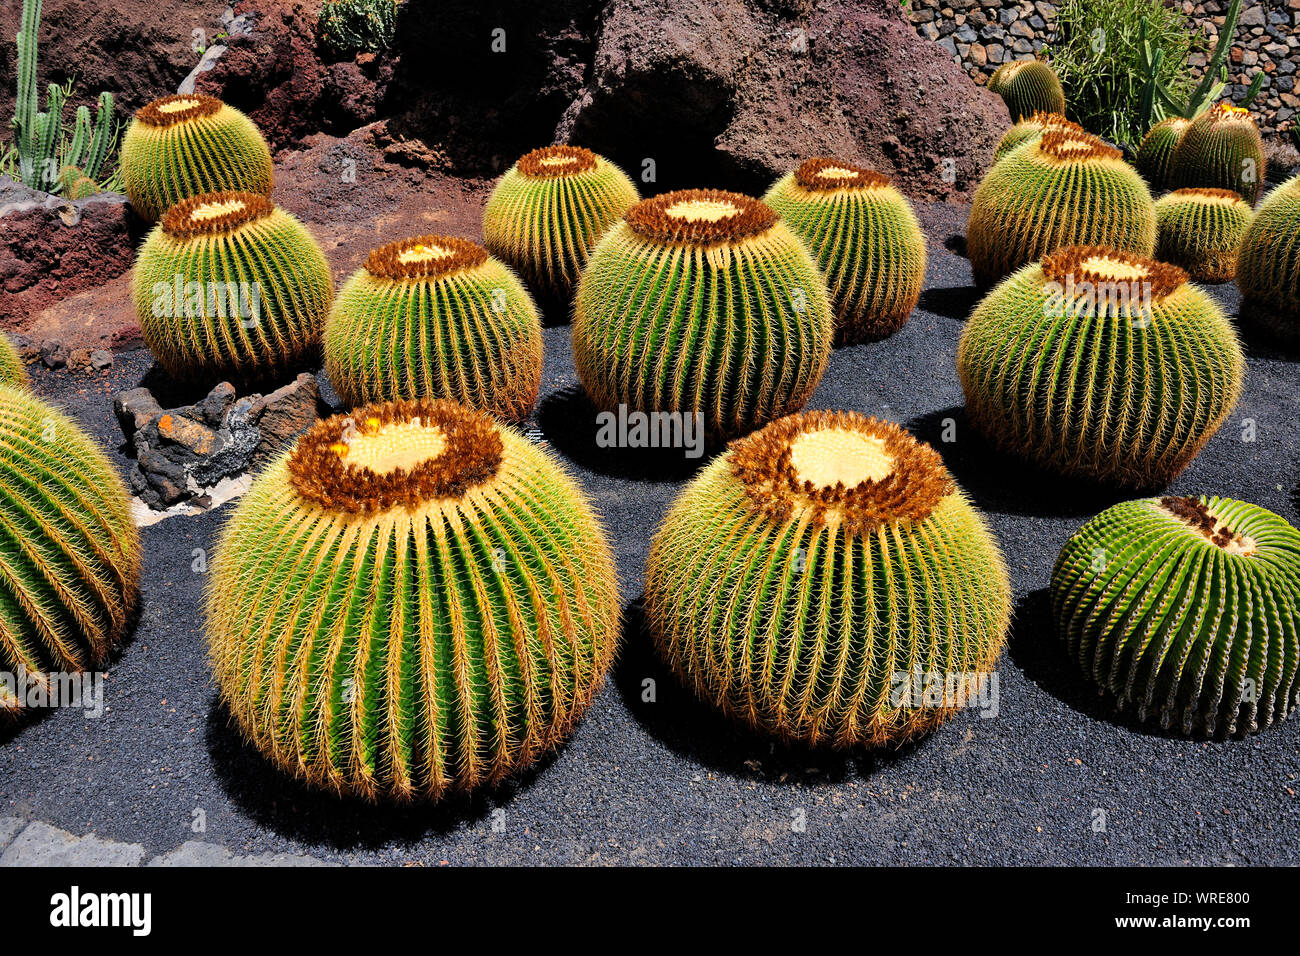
358,26
45,147
1099,54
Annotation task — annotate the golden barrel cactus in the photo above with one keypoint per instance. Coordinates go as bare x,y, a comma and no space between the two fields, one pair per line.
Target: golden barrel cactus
1155,156
1268,264
1028,87
1220,149
1200,230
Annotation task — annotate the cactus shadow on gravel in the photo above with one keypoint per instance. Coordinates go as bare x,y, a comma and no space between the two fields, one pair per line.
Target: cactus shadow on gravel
692,729
1004,484
568,420
313,817
951,302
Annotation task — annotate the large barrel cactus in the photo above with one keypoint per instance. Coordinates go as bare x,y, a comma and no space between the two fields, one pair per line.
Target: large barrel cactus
1200,230
435,317
1100,364
1031,129
1067,189
12,370
187,145
817,579
1268,264
865,238
1220,149
549,210
1185,609
70,564
702,301
1028,87
228,284
413,601
1155,156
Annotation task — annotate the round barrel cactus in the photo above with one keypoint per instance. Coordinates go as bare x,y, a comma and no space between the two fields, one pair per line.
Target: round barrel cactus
1185,609
702,301
824,580
1028,87
866,241
1031,129
71,556
228,284
187,145
1067,189
1221,149
1268,264
1155,156
12,370
413,601
435,317
549,210
1200,230
1100,364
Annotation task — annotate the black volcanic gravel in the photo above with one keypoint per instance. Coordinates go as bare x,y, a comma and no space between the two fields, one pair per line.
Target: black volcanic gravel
669,781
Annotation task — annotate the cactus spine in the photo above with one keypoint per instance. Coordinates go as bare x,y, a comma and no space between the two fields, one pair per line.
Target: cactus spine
813,563
1200,230
1031,129
12,370
1221,149
1156,154
549,211
230,285
1100,364
436,317
1028,87
1268,264
702,301
1186,609
70,555
865,239
183,146
1067,189
413,601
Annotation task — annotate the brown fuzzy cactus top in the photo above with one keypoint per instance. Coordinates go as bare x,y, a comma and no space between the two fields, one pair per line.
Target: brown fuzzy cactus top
1075,146
906,478
425,257
827,174
1199,516
214,214
1078,264
700,217
551,161
170,110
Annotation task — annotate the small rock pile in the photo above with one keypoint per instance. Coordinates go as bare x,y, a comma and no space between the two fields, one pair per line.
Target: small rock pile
183,453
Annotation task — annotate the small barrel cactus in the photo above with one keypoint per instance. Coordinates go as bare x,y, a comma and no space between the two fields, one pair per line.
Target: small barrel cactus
1221,149
187,145
435,317
71,555
865,239
12,370
703,301
1031,129
1028,87
548,212
1100,364
413,601
1186,609
1155,156
1268,264
230,285
813,578
1067,189
1200,229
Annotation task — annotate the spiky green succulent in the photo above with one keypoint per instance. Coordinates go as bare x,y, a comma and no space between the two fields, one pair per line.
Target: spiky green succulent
182,146
865,239
1069,188
69,553
1155,156
826,581
1100,364
12,370
230,285
1028,87
435,317
548,212
1031,129
1185,609
413,601
1200,230
702,301
1268,264
1220,149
